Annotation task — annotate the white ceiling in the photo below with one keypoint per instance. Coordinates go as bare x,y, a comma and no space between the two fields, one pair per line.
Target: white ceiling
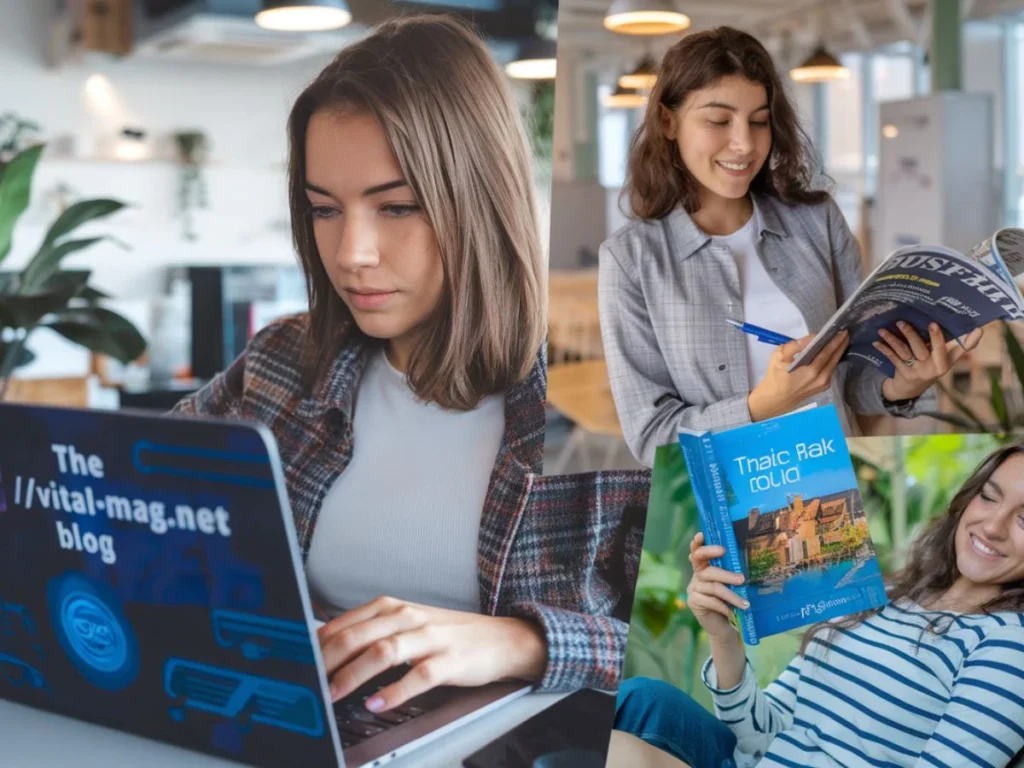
788,28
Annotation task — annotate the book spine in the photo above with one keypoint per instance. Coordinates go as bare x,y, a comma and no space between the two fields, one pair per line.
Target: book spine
713,508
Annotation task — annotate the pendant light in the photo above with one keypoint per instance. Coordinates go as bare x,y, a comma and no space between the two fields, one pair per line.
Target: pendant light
645,17
820,67
643,77
625,98
536,60
303,15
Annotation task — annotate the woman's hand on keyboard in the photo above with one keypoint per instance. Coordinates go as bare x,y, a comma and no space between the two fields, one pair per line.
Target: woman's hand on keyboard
442,647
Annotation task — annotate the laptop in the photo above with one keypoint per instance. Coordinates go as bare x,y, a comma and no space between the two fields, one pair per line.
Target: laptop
150,581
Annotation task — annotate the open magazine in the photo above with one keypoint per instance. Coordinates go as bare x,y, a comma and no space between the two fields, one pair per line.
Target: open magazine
782,498
921,284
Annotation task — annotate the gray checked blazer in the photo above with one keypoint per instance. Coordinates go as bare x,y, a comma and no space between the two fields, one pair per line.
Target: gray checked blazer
665,291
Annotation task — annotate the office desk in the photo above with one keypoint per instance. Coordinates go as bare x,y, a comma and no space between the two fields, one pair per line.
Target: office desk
35,739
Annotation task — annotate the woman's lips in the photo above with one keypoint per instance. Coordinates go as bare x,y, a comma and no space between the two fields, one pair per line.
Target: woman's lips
984,550
367,300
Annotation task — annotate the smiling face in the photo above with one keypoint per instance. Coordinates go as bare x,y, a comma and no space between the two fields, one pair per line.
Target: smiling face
724,136
374,240
990,535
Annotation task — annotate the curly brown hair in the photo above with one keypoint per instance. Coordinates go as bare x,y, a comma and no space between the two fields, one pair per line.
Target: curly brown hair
657,181
931,566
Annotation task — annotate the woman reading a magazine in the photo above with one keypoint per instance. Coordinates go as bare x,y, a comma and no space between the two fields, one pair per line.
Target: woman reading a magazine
727,226
934,678
408,403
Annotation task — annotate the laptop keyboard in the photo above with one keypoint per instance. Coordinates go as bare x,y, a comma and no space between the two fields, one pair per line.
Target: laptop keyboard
356,723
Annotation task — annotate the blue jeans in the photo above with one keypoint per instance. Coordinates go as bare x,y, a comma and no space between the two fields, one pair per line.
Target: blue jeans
666,718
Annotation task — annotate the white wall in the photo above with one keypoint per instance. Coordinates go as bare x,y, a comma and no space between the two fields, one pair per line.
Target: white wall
242,110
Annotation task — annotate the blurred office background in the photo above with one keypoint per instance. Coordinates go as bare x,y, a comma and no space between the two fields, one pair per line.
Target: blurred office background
177,109
955,67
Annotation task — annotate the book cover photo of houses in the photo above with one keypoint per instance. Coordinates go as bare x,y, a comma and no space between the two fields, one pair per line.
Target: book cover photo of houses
822,541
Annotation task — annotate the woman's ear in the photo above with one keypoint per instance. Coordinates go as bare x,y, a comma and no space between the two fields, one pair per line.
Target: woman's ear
669,122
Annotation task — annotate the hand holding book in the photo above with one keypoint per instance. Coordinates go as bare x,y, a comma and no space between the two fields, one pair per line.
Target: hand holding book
709,595
710,598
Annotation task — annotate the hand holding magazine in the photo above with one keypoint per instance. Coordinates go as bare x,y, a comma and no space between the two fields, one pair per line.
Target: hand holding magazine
780,496
922,284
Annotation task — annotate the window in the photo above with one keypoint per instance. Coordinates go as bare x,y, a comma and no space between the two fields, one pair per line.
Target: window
844,150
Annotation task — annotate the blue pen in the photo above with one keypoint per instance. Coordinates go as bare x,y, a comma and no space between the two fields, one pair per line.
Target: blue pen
762,334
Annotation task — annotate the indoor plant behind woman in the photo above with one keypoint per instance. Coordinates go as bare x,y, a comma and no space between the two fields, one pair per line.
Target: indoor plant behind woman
408,403
934,678
727,225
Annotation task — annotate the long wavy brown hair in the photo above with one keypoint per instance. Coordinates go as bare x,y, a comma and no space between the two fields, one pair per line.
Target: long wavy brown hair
931,566
656,179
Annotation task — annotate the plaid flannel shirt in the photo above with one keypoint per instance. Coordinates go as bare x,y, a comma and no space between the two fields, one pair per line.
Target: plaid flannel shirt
561,550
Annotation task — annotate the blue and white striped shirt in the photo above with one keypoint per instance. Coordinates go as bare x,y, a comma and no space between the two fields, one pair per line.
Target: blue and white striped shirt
885,695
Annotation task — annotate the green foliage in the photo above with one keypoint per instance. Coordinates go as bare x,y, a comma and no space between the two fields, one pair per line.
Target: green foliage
761,564
541,119
1009,414
43,295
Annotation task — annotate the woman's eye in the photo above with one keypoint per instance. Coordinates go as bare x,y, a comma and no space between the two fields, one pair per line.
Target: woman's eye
322,211
986,498
400,210
759,123
719,122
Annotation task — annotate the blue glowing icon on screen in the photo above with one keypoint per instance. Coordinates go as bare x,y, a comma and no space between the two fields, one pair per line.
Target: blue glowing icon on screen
93,633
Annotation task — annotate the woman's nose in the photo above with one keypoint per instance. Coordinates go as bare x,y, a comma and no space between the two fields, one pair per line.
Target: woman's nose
358,246
740,140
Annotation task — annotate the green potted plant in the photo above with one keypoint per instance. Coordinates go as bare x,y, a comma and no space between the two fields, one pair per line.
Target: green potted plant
43,295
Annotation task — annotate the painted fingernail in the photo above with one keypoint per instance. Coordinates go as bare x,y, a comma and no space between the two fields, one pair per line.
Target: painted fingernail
375,704
746,603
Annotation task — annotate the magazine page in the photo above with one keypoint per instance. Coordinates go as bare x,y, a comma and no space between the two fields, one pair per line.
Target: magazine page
919,285
799,521
1003,253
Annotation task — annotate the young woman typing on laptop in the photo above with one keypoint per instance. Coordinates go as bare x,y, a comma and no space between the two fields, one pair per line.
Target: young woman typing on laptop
727,226
935,678
408,403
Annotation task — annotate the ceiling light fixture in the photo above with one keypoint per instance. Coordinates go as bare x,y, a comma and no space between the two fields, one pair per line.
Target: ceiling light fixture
820,67
645,17
643,77
303,15
536,60
625,98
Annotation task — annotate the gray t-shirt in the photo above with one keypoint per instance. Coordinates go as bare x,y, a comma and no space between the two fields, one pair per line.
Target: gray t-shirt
403,519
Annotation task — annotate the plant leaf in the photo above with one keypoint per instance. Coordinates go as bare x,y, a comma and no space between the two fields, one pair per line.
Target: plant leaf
1013,345
9,282
962,407
998,400
27,309
956,421
93,294
15,192
25,355
78,214
46,261
100,330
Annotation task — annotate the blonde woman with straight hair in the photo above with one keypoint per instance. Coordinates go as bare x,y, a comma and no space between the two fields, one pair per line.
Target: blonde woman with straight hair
408,403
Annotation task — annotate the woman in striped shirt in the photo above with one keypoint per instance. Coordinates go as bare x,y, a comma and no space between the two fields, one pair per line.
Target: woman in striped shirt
935,678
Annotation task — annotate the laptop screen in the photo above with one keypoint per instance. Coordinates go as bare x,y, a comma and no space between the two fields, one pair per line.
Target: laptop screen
148,582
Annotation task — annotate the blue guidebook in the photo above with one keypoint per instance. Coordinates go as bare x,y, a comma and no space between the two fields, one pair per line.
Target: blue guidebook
781,496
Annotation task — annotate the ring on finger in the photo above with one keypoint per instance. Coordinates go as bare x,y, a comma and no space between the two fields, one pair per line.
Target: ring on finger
909,362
